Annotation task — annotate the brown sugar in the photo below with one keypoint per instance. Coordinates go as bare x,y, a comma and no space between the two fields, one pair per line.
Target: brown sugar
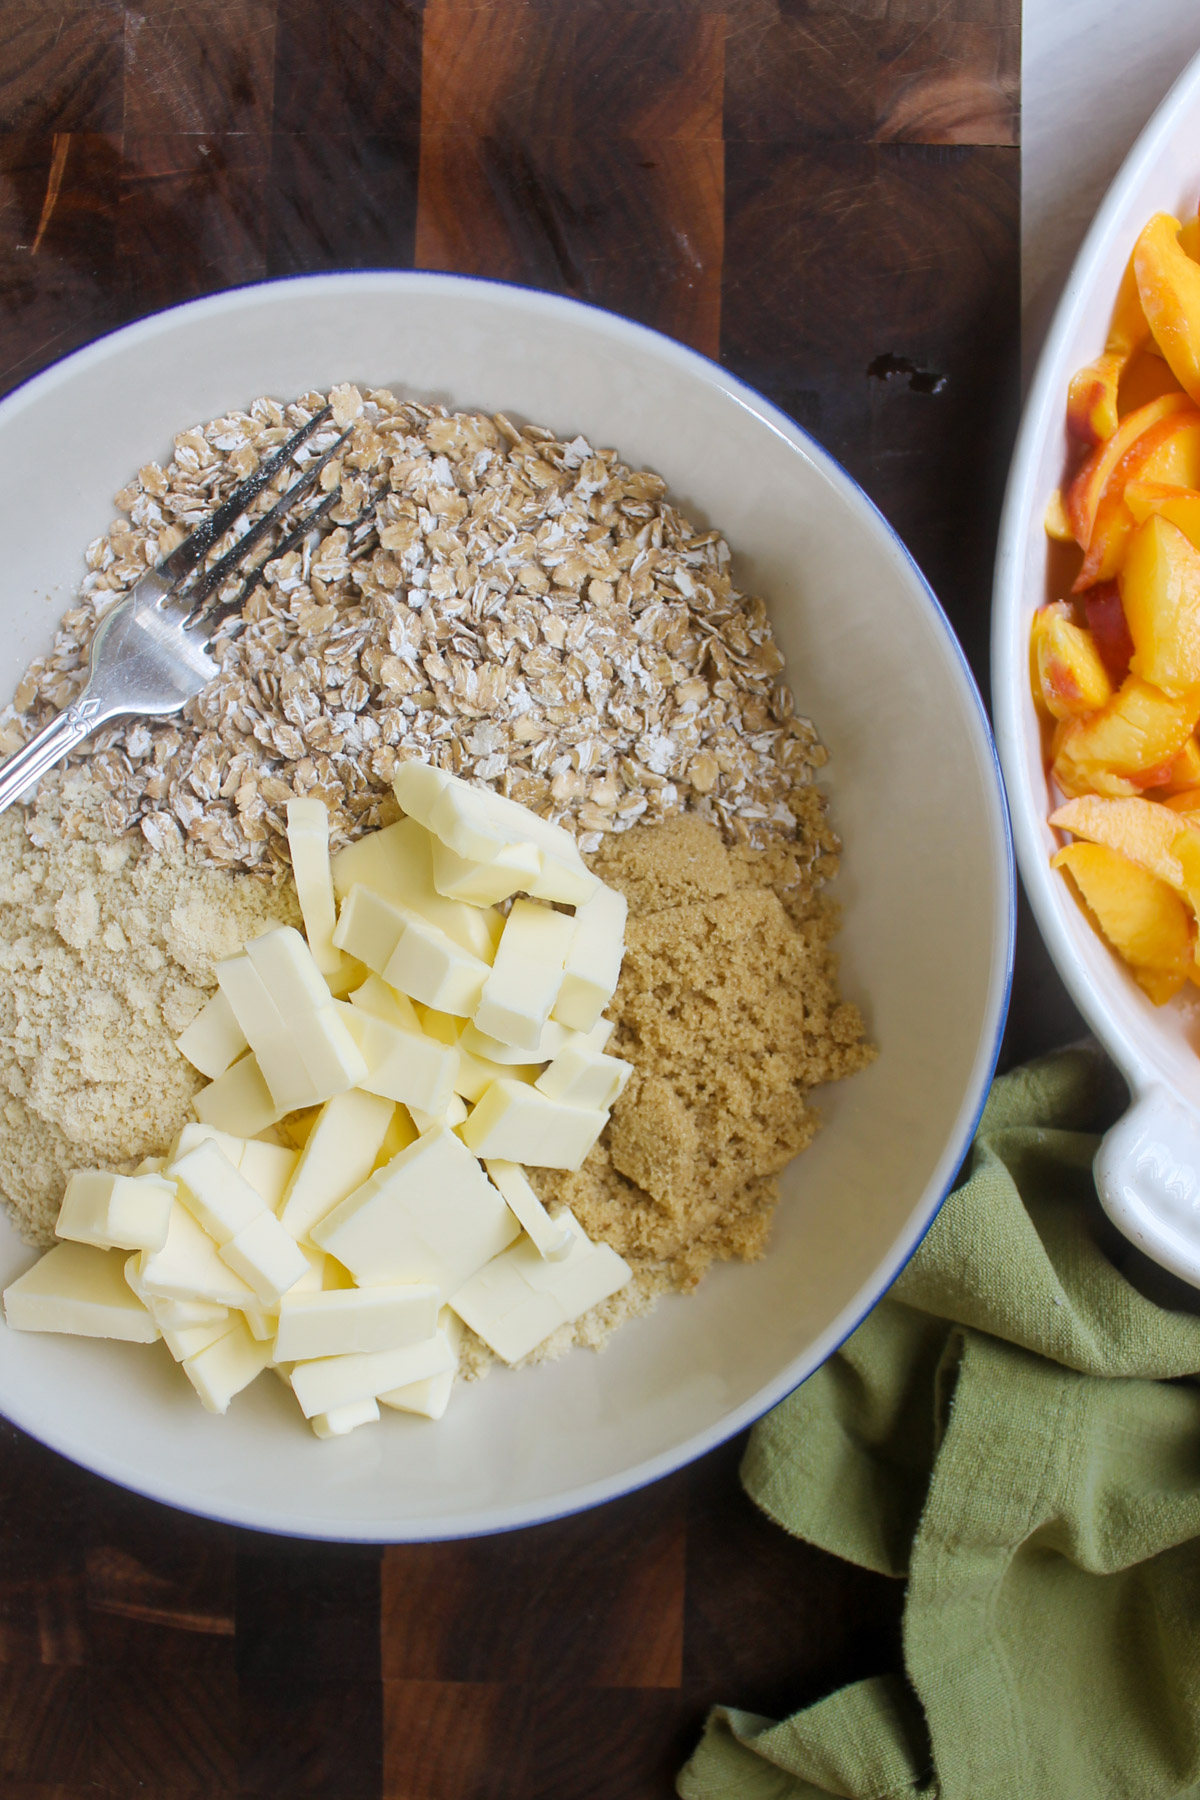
728,1008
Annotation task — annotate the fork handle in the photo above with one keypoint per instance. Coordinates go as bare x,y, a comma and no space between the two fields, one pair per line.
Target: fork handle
49,746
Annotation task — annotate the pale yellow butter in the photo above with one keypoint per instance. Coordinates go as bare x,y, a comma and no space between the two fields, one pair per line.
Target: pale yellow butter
337,1157
520,1298
126,1212
593,961
517,1124
401,1065
214,1039
430,1216
523,984
345,1321
80,1290
335,1381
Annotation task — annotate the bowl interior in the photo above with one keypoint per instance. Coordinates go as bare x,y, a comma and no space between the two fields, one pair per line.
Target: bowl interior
1161,174
926,891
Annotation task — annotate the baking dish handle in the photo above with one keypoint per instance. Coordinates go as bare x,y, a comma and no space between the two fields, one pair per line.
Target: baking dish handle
1147,1173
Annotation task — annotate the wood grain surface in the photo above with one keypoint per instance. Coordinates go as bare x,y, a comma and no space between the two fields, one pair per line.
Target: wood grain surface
822,193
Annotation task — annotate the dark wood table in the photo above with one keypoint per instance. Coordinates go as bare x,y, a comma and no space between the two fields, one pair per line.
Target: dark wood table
826,199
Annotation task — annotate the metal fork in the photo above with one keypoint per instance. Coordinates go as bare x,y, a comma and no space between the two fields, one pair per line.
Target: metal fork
150,654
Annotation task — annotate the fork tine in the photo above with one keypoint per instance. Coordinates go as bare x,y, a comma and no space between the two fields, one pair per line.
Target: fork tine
195,547
213,617
212,579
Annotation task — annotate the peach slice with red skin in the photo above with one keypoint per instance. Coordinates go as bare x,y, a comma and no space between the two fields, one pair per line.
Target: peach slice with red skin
1071,679
1184,774
1143,919
1168,283
1129,744
1160,592
1167,453
1082,496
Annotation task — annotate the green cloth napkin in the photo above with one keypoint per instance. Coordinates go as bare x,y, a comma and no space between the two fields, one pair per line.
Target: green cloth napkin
1016,1430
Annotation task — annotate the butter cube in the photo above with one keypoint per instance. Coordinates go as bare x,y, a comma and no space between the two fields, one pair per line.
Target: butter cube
315,1058
519,1299
238,1102
189,1340
344,1321
550,1237
375,996
580,1076
344,1419
308,844
268,1168
397,863
215,1193
369,927
127,1212
510,871
262,1322
214,1039
524,980
478,1043
192,1134
267,1259
255,1011
284,1072
80,1290
173,1315
429,966
402,1065
226,1367
189,1267
478,824
514,1122
337,1157
430,1216
334,1381
430,1397
289,972
593,961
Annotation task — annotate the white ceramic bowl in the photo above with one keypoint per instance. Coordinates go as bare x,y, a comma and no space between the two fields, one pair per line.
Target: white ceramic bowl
927,892
1148,1169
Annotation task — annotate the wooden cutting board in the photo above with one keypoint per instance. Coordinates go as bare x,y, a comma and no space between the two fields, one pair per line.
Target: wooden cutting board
824,195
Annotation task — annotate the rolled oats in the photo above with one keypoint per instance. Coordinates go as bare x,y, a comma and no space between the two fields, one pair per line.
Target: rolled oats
523,611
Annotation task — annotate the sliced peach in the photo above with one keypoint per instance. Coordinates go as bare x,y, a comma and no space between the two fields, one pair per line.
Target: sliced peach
1071,679
1186,801
1142,918
1160,592
1092,403
1184,777
1129,744
1055,520
1143,830
1168,283
1082,497
1167,453
1180,505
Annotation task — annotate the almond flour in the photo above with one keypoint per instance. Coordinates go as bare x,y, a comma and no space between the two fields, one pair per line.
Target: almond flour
106,954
